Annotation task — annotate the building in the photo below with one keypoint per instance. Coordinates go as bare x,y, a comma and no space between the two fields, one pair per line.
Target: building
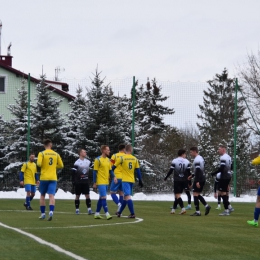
11,80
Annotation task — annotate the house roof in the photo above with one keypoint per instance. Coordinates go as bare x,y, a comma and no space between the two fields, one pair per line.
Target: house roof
49,82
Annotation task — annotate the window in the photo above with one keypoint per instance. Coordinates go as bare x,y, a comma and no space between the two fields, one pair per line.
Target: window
2,84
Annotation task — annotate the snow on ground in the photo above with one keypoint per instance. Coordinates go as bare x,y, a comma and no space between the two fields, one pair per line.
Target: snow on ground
20,194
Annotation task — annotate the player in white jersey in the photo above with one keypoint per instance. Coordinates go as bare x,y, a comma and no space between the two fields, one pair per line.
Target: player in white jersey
224,179
80,177
180,166
199,181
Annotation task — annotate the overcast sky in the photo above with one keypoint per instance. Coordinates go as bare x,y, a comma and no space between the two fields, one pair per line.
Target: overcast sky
167,39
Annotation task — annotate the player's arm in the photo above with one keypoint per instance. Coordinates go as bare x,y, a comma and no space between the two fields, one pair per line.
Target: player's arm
170,171
111,172
21,175
256,161
60,164
39,159
197,172
188,172
139,175
95,171
220,169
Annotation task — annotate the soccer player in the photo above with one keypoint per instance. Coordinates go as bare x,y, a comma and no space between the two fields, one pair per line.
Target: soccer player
199,181
224,179
129,165
114,188
80,175
28,179
181,168
254,222
101,172
49,161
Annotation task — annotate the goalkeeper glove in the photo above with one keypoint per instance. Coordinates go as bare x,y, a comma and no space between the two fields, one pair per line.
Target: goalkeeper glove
141,184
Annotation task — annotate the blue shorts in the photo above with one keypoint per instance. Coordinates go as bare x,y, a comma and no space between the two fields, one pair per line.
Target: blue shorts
127,188
30,187
48,187
258,191
115,187
102,189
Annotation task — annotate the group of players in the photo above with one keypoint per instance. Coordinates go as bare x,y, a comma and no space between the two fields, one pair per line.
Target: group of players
121,168
181,168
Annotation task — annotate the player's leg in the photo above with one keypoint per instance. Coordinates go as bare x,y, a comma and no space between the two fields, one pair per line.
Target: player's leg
181,187
202,200
51,191
99,202
88,200
254,222
77,196
32,194
114,187
43,190
187,191
230,208
223,188
27,203
219,202
129,200
176,192
195,190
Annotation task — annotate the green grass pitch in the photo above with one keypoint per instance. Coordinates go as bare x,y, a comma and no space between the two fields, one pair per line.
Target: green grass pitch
159,236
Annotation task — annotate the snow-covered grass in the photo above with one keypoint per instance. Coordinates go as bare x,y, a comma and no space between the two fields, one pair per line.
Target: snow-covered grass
20,194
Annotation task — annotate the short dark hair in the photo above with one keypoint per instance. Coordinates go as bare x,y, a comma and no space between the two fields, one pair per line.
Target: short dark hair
47,142
80,149
222,146
181,152
32,153
128,147
194,149
121,147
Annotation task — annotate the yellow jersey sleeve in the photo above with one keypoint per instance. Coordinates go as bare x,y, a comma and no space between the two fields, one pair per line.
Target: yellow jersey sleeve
23,167
256,161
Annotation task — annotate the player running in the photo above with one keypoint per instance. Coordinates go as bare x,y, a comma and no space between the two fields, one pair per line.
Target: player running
181,168
28,179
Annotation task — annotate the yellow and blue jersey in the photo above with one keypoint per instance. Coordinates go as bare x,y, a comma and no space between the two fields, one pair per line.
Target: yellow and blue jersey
118,170
129,164
29,169
49,161
102,166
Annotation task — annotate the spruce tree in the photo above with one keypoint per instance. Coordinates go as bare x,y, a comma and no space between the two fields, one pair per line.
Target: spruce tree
149,108
15,142
47,119
216,126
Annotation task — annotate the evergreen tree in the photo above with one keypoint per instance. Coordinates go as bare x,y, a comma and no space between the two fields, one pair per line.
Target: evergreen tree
47,119
149,108
104,124
15,143
216,126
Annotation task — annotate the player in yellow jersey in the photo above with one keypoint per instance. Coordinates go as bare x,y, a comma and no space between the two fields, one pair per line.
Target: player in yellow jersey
114,188
101,172
49,161
129,164
28,179
254,222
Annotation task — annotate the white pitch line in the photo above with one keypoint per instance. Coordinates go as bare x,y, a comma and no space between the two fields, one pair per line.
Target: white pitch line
41,241
89,226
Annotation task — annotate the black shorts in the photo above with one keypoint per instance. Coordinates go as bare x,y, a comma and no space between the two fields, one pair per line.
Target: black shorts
188,183
196,189
223,185
81,188
179,186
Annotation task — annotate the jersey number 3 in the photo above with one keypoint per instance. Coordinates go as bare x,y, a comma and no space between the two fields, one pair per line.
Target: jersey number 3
50,161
